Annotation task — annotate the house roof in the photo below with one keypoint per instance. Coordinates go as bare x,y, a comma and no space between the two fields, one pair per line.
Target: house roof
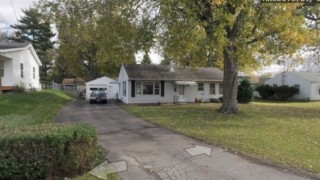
73,81
13,45
312,77
101,80
162,72
7,47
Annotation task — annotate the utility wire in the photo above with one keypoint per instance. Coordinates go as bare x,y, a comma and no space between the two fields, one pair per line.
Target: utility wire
14,11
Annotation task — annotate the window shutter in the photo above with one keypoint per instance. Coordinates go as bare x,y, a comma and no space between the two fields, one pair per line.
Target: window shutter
133,88
162,88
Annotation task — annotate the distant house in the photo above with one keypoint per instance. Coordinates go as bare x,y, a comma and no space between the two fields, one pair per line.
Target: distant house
308,84
19,65
103,83
73,84
168,84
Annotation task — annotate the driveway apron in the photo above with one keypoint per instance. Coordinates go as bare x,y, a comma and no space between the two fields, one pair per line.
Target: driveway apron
153,152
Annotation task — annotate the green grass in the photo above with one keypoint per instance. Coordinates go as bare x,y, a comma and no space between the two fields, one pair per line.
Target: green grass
22,109
285,133
113,176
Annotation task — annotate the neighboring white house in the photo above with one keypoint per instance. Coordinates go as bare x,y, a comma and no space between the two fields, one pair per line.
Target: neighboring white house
307,83
103,83
19,64
168,84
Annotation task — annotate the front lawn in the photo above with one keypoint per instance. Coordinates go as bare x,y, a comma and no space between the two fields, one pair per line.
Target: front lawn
21,109
33,147
285,133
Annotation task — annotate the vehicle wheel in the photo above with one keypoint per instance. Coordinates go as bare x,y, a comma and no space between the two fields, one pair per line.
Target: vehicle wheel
91,102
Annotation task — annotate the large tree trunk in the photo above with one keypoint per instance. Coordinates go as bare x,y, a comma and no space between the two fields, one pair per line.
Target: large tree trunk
230,81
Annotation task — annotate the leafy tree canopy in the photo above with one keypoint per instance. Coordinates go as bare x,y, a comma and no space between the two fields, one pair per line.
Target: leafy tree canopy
33,28
146,58
231,34
94,39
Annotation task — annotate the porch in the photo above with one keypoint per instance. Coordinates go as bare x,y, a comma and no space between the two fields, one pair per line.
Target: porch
2,73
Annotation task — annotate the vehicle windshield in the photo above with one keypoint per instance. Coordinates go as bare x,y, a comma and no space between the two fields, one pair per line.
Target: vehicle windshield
98,93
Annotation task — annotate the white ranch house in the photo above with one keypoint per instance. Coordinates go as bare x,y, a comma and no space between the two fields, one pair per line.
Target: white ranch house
168,84
19,64
307,83
103,83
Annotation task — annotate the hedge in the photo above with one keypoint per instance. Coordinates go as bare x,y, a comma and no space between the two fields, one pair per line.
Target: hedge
265,91
47,151
285,92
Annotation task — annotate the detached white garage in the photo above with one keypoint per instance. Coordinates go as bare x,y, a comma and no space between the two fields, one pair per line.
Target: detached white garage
103,83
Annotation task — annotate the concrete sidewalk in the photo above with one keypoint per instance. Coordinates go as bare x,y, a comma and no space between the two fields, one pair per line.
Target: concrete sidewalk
151,152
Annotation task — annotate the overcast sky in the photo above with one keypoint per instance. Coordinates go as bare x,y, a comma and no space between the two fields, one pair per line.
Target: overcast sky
7,15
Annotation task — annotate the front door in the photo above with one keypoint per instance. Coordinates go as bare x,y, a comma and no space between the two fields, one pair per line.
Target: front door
180,93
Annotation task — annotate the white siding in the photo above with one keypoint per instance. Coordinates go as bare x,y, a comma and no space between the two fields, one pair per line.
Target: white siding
190,93
291,79
315,91
7,79
103,82
123,77
12,74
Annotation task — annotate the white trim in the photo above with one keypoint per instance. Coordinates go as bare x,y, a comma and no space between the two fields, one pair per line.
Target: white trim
187,83
153,88
33,52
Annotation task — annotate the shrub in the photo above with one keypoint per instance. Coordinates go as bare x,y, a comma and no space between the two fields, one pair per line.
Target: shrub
265,91
47,151
285,92
245,91
214,100
19,88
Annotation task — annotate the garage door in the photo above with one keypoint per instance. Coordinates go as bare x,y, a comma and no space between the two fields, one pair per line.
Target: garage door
96,87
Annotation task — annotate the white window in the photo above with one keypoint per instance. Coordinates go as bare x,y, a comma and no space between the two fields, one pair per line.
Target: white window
200,87
157,88
124,84
147,88
138,89
34,72
212,88
21,70
1,68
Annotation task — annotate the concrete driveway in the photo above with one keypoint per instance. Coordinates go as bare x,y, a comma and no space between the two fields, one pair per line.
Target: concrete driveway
152,152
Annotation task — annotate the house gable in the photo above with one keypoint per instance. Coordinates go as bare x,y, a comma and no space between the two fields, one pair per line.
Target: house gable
101,80
8,47
21,65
